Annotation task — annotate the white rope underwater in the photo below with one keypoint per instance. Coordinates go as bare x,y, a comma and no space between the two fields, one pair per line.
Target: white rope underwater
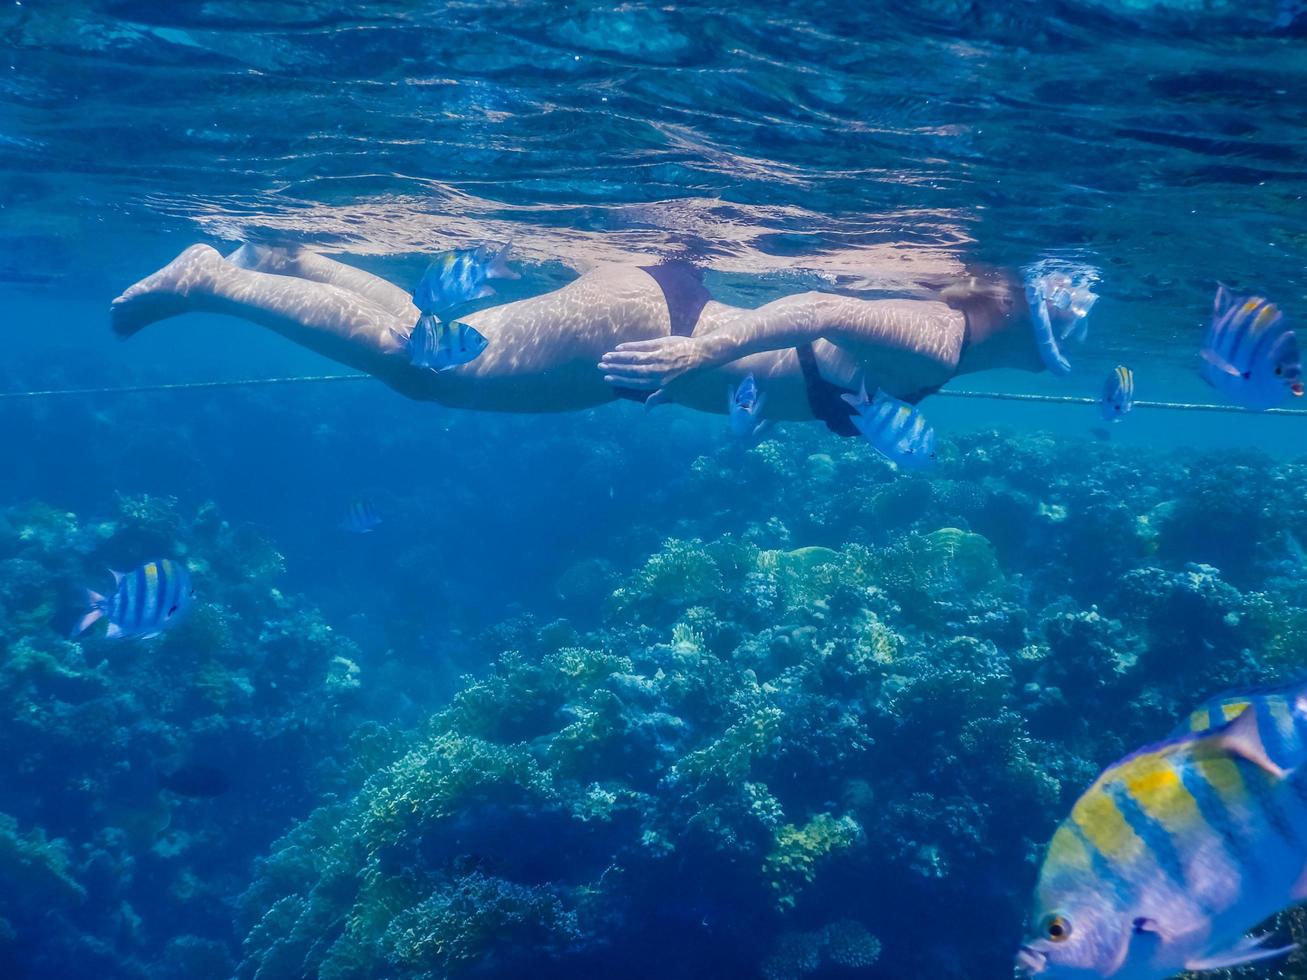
1006,396
1001,396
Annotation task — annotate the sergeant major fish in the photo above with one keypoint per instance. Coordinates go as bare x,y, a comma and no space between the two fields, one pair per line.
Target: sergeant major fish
1118,396
745,404
896,429
146,602
440,346
1249,355
458,277
361,516
1177,850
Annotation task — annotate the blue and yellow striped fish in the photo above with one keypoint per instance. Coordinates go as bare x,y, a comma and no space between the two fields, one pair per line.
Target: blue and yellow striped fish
1250,355
458,277
361,516
1118,394
1179,849
146,602
898,430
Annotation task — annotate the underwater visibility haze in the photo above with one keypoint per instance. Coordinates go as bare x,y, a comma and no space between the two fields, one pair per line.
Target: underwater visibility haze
782,490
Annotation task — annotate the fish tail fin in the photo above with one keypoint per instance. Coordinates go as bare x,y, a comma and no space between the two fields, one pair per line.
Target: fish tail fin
498,268
1249,949
97,605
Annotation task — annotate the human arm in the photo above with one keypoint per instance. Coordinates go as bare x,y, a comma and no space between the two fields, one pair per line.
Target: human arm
865,329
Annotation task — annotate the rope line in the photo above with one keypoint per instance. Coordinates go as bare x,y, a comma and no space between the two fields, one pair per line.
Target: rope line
1007,396
999,396
185,386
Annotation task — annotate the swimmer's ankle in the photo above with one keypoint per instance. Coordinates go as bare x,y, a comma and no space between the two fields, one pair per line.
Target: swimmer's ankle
166,293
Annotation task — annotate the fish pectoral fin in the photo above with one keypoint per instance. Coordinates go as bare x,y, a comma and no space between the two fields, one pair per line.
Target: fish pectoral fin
1221,364
1249,949
1242,737
854,400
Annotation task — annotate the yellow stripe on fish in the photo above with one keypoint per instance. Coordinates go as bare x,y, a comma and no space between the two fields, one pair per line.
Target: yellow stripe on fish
1269,313
1105,828
1160,793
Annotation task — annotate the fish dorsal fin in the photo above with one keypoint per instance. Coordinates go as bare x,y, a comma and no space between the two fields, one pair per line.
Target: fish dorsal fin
1243,738
1224,299
1249,949
117,576
499,264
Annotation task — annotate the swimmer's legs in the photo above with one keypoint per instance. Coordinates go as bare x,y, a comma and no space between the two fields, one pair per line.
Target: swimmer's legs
325,318
318,268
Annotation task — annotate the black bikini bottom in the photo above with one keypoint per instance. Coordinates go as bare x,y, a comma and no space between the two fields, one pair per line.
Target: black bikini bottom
686,296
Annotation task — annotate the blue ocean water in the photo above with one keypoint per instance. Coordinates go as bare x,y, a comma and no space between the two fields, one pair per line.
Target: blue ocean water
607,692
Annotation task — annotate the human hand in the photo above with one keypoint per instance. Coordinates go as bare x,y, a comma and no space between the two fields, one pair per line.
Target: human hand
646,365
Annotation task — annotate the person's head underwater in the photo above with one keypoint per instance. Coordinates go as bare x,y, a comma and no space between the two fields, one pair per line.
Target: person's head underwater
1060,301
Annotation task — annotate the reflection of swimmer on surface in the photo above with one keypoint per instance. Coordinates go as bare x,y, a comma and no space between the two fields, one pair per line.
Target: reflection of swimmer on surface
647,328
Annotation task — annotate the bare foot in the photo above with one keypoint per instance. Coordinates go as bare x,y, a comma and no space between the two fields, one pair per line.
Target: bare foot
166,292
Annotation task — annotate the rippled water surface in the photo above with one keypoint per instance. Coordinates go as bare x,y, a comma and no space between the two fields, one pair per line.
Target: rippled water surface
863,145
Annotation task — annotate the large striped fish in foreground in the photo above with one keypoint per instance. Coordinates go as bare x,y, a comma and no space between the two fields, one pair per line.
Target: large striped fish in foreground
144,603
1250,355
1176,851
898,430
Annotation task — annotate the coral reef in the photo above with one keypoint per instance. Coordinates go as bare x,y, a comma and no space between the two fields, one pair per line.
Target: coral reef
773,734
254,686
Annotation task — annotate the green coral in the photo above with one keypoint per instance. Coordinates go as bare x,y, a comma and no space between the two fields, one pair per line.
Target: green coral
37,872
683,573
473,918
793,862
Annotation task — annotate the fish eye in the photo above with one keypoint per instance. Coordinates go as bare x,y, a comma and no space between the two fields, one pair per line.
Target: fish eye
1279,370
1058,928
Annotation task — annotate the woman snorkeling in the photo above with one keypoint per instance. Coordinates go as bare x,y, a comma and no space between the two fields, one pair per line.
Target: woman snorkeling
646,332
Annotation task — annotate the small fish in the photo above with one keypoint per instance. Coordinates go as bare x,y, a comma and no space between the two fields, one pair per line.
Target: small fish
744,404
361,516
440,346
1249,355
458,277
1118,394
195,780
146,602
1177,850
896,429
